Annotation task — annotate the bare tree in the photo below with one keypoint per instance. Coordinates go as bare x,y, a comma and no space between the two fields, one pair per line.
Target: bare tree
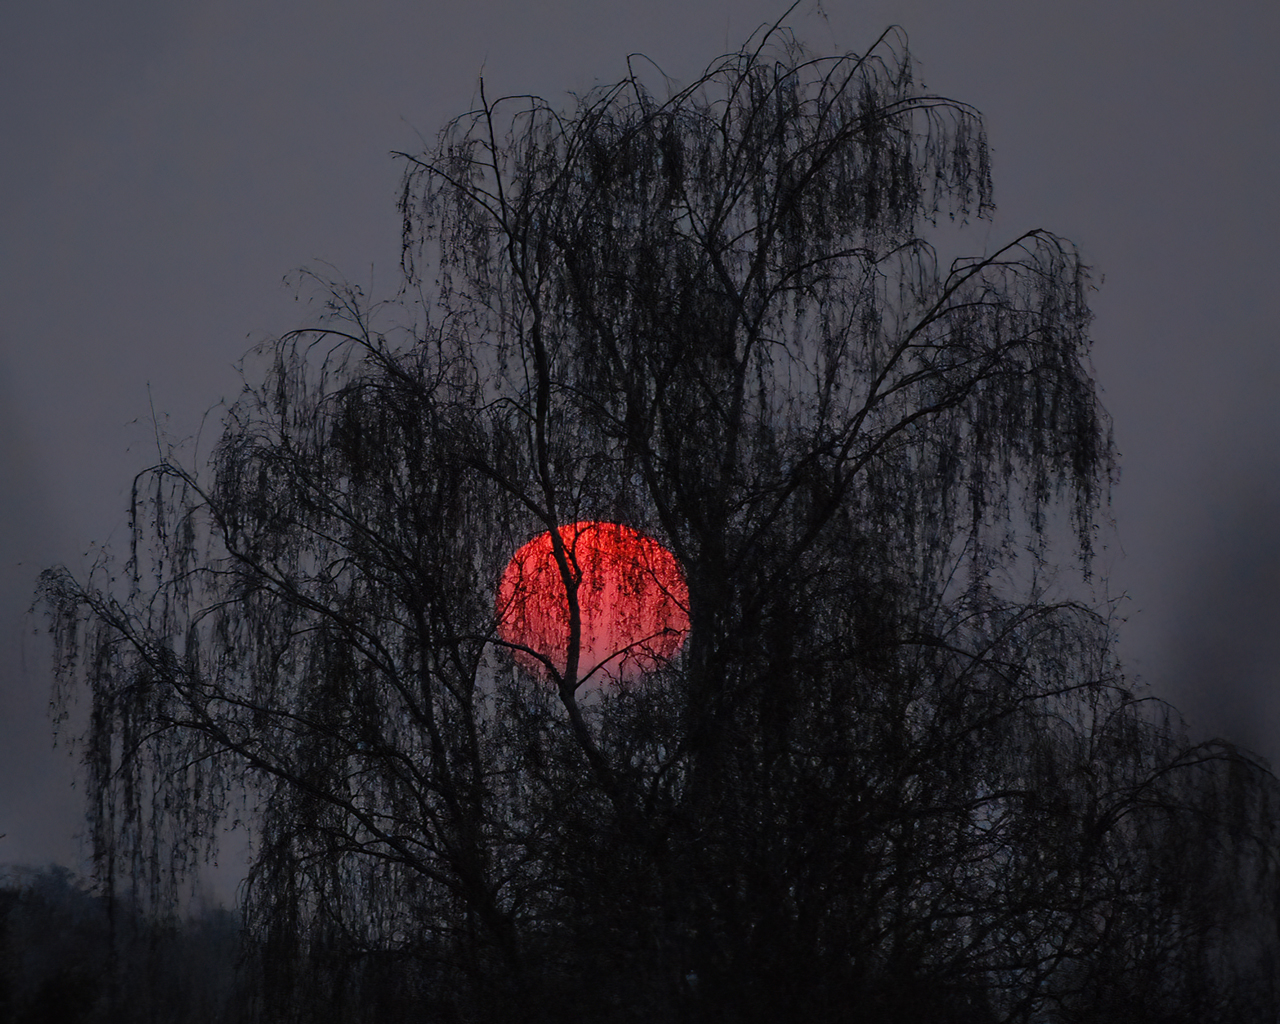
885,770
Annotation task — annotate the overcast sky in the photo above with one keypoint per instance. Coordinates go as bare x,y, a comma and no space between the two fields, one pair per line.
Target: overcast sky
164,167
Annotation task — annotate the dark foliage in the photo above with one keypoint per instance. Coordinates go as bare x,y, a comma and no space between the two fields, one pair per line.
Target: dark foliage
894,774
70,957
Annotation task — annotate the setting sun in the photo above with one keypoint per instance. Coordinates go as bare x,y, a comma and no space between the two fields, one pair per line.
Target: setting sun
631,594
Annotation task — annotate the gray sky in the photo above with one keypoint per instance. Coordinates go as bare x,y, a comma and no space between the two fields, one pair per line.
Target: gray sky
165,166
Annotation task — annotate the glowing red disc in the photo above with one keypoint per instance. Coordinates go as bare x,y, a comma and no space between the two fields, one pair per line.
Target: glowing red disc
632,599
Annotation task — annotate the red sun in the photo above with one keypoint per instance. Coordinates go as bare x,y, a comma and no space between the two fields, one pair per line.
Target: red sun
632,599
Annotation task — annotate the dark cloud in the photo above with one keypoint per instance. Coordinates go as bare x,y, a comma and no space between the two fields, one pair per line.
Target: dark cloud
1221,656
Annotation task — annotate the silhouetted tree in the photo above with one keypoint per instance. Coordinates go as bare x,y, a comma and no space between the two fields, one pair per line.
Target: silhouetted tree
892,769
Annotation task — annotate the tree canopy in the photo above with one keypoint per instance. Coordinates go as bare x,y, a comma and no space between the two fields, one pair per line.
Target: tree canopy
892,766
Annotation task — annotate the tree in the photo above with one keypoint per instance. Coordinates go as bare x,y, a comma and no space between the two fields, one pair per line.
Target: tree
886,770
